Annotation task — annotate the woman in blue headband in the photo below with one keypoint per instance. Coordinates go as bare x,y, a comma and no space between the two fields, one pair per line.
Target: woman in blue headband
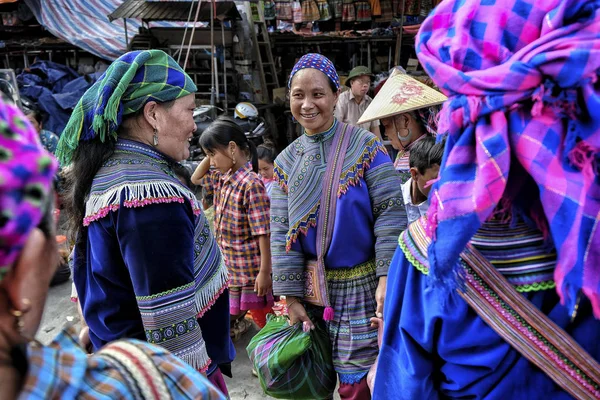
336,214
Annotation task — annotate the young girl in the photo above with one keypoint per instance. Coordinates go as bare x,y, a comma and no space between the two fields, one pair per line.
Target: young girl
266,165
242,225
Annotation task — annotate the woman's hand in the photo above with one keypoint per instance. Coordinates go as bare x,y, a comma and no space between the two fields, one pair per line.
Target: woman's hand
380,299
84,339
263,284
297,313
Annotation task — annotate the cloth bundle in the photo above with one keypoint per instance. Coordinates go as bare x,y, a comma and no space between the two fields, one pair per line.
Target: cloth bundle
292,363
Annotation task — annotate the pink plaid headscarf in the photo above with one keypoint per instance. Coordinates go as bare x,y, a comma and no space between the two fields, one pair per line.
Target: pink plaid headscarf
522,81
26,175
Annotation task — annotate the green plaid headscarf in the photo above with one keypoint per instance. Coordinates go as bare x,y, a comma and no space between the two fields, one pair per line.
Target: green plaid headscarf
128,84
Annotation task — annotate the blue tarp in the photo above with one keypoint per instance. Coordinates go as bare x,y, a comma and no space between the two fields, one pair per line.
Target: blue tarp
56,89
84,23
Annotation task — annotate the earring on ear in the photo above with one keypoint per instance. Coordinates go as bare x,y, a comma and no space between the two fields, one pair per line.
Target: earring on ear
155,137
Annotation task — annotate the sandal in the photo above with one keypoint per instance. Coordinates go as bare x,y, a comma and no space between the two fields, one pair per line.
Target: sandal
241,326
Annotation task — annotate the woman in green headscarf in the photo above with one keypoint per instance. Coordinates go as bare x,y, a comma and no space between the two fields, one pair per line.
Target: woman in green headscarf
145,265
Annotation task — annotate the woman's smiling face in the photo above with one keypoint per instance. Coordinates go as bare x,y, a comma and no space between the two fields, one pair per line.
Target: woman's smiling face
312,100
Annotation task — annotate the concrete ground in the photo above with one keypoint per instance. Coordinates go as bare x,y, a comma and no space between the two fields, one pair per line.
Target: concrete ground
60,311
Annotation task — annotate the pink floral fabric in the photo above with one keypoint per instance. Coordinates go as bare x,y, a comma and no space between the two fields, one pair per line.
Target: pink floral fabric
26,174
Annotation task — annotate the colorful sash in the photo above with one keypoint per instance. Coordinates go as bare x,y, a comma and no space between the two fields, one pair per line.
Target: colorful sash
316,280
515,319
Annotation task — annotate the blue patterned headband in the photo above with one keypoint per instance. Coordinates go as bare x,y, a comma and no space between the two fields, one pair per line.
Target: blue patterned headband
318,62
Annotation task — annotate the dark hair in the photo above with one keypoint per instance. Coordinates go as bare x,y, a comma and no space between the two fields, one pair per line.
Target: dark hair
47,223
183,174
266,153
224,130
426,153
37,115
209,198
88,158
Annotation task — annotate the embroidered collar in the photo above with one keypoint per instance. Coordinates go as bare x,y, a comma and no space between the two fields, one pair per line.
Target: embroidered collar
323,136
139,147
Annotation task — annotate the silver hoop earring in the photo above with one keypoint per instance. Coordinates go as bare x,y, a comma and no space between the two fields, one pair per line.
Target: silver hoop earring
405,138
155,137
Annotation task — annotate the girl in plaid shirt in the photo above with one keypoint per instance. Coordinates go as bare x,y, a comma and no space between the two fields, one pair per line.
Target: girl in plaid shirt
242,224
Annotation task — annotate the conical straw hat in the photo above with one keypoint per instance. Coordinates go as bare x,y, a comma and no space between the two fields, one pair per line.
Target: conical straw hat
401,93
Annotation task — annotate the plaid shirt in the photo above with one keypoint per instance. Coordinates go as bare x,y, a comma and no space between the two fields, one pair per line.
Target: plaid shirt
125,369
241,215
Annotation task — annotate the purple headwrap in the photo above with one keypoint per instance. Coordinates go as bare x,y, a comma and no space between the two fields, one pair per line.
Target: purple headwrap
521,77
319,62
26,175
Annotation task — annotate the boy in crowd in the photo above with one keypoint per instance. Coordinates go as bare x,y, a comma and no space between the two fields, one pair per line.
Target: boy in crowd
425,160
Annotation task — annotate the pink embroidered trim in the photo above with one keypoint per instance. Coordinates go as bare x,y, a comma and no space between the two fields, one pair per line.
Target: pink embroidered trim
213,301
152,200
205,368
100,214
103,212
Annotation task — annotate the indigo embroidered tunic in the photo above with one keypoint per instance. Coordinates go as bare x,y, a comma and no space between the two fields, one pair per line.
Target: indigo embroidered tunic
370,213
146,265
436,346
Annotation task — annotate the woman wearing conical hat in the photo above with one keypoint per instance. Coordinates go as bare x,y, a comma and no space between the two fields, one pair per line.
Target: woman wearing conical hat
406,110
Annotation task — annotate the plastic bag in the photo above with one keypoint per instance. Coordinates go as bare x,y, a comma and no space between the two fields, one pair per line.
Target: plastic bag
293,364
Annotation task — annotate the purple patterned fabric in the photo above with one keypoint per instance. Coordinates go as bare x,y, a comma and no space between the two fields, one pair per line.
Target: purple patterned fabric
26,174
521,77
316,61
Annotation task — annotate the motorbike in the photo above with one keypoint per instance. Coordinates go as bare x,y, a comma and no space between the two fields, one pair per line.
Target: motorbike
254,126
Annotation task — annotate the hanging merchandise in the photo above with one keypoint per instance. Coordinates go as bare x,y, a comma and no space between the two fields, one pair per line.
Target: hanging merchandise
387,12
363,11
254,11
348,11
269,10
297,12
375,8
324,10
412,7
397,7
426,7
310,11
283,10
336,8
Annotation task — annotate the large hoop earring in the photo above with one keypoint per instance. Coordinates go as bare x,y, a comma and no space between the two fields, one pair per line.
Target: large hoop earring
404,138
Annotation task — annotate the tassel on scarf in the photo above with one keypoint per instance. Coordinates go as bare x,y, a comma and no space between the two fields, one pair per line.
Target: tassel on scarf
328,314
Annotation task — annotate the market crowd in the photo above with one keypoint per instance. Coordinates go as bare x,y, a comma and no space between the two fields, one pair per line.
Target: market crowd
466,267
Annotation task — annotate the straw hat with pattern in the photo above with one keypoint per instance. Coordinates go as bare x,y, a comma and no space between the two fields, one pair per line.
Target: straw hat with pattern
400,94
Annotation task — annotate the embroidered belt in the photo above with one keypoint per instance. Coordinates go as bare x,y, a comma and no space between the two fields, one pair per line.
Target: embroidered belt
358,271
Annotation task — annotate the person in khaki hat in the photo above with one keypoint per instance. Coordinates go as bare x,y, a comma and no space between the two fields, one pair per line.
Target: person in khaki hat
406,109
353,103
